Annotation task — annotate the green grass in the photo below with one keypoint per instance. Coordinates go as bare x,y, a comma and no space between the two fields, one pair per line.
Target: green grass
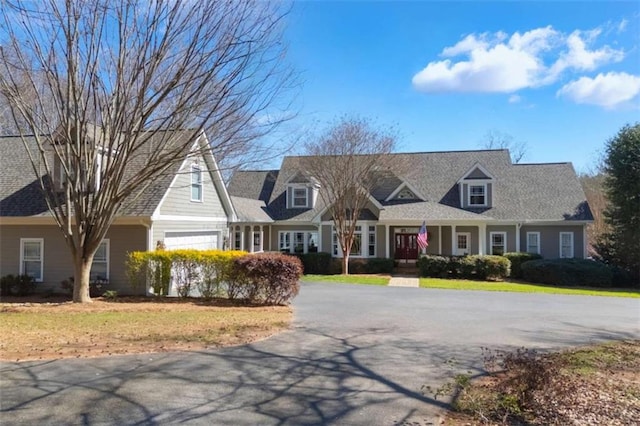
521,288
348,279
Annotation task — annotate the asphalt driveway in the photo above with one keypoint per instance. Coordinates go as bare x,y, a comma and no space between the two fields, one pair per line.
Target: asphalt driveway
356,355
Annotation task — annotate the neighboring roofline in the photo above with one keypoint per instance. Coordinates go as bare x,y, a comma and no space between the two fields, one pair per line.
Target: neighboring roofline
406,153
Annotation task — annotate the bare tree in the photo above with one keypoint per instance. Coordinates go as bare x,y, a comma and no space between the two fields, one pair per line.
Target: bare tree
348,160
594,189
123,77
495,139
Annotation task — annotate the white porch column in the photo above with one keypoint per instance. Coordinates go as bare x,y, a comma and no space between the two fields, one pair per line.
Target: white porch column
320,247
482,244
251,245
440,239
261,238
242,228
386,241
454,241
518,225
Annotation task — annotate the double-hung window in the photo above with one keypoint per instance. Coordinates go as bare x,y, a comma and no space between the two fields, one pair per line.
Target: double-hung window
372,241
100,265
196,183
533,242
32,257
566,245
498,243
477,195
300,197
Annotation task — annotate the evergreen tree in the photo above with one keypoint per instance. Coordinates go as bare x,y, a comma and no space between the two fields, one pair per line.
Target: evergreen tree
621,244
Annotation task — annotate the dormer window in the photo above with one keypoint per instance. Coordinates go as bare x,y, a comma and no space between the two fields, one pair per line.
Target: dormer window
477,195
300,197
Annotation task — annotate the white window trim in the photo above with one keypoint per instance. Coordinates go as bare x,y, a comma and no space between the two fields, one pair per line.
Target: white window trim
573,253
32,240
197,167
468,235
108,261
527,242
364,241
504,241
486,196
292,241
375,240
291,203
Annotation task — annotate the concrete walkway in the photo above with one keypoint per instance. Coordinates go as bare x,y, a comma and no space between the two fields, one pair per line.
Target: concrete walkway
404,281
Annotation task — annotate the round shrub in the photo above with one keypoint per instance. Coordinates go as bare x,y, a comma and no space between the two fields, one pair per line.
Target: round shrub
269,278
517,259
490,267
433,266
568,272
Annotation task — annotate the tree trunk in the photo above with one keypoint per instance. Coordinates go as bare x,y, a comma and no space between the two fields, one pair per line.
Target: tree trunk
82,270
345,263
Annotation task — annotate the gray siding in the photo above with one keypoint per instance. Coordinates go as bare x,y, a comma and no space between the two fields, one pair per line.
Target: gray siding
434,237
473,230
477,174
178,198
380,241
326,239
57,262
550,239
446,240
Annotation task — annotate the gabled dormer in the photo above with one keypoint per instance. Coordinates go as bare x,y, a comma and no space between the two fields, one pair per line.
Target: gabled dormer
302,192
405,192
476,188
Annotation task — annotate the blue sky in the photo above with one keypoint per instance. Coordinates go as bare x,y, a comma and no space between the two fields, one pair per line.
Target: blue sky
563,77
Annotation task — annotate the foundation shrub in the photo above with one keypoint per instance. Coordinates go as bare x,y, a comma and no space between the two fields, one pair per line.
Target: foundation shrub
379,265
316,263
268,278
490,267
17,285
517,259
433,266
568,272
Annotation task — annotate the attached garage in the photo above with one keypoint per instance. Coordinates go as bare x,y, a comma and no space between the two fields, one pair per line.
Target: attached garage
200,240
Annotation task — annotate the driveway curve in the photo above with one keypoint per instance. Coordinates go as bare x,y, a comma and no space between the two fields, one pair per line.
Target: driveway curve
356,355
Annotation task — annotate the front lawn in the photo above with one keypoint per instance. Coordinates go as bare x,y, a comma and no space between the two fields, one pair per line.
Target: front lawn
521,287
47,330
350,279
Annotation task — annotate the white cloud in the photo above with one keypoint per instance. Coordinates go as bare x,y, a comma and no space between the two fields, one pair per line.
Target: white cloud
502,63
607,90
622,26
514,99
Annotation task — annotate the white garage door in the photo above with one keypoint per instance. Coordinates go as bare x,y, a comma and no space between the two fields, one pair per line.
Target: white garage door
201,240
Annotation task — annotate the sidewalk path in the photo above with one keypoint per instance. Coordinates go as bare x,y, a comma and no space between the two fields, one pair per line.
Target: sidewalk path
404,281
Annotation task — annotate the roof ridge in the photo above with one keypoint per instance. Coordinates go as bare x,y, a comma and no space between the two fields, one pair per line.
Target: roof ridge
543,164
408,153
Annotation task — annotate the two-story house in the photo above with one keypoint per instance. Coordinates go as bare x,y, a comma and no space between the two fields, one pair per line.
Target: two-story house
188,207
473,202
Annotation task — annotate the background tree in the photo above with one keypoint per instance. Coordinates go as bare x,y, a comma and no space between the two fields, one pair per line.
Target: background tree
348,160
593,186
495,139
621,243
97,88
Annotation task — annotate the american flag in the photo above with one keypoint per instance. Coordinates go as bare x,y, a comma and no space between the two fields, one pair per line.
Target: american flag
422,236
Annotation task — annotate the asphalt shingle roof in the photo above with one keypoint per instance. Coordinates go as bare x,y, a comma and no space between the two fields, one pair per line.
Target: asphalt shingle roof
249,210
520,192
20,193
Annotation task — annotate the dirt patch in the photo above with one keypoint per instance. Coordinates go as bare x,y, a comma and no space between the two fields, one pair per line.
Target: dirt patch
52,328
586,386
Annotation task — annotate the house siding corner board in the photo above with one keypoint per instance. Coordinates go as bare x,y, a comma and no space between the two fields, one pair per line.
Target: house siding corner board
550,239
177,201
57,262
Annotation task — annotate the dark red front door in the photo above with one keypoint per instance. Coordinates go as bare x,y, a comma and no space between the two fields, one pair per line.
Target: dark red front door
406,246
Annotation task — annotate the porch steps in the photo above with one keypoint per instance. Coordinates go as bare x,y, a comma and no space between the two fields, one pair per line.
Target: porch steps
405,276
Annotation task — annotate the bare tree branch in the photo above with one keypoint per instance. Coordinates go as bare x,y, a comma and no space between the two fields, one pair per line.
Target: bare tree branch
348,160
495,139
112,94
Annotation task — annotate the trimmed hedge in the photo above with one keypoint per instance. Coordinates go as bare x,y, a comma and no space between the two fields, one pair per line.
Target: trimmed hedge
568,272
517,259
469,267
316,263
269,278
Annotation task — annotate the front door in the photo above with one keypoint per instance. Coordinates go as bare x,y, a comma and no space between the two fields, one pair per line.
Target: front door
463,244
406,246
